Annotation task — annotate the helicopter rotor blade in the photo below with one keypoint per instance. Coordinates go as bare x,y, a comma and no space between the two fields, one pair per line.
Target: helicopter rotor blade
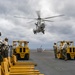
24,17
20,17
53,16
48,20
38,14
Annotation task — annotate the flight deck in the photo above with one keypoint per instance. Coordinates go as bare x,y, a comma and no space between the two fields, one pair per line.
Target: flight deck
48,65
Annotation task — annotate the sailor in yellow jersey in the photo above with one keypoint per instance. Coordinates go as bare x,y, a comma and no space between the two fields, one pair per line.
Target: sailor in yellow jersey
64,50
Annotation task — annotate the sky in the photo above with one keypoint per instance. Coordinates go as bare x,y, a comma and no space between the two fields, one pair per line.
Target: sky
63,28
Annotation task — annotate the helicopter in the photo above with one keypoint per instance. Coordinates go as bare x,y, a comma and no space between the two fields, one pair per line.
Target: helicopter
40,24
40,27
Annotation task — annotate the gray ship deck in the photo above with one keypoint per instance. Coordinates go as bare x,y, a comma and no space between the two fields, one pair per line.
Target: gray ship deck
47,64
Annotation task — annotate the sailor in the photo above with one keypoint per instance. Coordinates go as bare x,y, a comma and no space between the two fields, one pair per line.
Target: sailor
64,50
0,33
0,38
5,47
1,58
55,49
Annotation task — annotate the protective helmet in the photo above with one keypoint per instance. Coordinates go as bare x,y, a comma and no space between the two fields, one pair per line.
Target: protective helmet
54,43
6,39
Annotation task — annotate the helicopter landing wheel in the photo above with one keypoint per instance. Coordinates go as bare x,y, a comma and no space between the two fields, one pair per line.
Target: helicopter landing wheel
43,32
34,32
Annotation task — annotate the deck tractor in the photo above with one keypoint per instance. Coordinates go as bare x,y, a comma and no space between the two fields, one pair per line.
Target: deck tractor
21,50
70,50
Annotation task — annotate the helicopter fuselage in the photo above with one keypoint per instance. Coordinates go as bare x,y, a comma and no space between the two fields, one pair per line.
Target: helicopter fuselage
39,28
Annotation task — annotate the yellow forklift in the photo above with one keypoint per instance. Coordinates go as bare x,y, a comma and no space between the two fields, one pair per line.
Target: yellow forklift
21,50
70,50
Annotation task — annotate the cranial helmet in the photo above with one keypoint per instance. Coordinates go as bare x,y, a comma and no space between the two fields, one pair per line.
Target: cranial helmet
6,39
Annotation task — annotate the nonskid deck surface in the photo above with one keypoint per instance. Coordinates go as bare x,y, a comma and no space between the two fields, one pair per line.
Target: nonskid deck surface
48,65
